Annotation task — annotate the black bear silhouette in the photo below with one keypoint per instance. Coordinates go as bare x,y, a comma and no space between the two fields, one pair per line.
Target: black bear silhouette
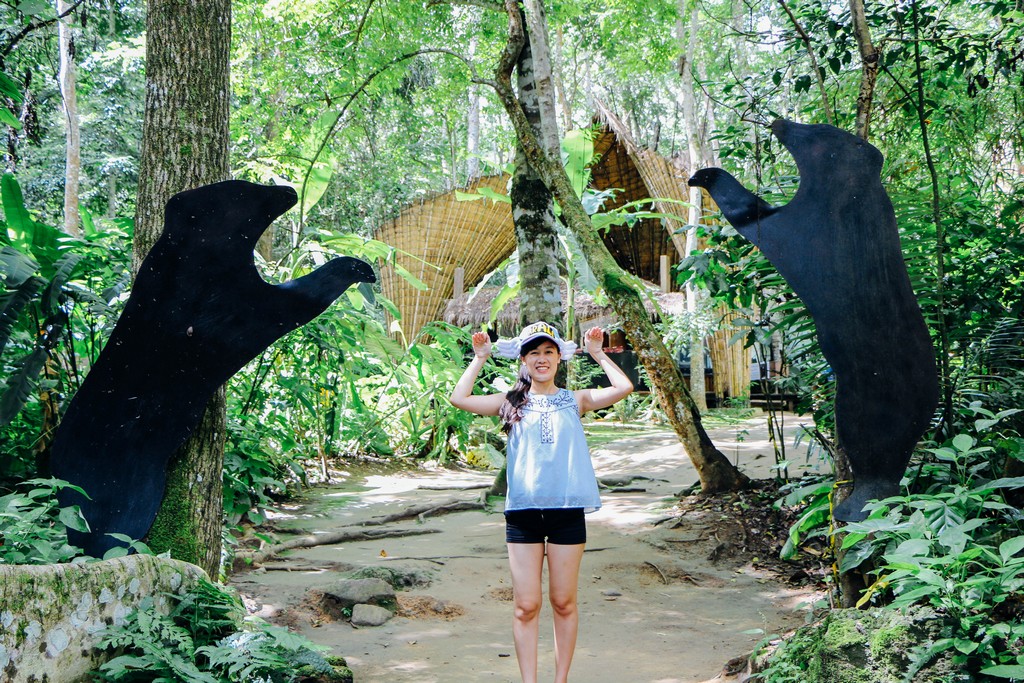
837,246
197,313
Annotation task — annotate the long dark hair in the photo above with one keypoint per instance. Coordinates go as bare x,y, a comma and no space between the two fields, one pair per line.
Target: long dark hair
511,411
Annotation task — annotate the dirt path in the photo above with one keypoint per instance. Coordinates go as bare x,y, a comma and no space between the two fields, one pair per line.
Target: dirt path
654,608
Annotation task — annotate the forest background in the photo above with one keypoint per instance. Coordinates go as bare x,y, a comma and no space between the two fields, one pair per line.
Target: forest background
368,106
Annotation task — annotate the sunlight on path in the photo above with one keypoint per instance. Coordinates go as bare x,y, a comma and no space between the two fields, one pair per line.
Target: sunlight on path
653,607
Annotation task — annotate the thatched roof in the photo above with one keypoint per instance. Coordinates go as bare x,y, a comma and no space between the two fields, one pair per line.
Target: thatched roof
641,173
475,309
441,234
437,235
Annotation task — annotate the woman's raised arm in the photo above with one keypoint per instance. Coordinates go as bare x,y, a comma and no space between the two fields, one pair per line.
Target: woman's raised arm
595,399
462,395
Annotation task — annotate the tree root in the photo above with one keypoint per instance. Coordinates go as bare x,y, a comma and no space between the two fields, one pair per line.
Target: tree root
256,557
421,512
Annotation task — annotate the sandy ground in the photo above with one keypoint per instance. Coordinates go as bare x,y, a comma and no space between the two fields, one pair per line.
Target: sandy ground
654,608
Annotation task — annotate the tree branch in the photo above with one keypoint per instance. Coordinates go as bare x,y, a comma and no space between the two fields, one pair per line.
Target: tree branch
28,28
814,60
486,4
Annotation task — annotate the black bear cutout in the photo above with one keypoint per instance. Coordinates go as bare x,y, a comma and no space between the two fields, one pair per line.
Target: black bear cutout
837,245
197,313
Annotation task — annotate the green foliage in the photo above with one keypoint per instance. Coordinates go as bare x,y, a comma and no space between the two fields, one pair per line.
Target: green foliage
59,298
204,639
815,516
955,547
33,525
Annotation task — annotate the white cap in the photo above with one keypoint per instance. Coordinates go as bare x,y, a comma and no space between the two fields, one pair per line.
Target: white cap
512,348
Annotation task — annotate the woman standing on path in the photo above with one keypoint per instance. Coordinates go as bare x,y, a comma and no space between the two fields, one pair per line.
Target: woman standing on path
551,482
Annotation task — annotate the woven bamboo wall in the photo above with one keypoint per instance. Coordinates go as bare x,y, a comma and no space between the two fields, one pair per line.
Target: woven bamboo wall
440,234
662,177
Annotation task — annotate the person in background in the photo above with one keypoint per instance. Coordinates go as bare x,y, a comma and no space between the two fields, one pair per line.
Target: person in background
551,481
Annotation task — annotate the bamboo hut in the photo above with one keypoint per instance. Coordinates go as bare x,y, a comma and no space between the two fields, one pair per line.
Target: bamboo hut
451,244
440,240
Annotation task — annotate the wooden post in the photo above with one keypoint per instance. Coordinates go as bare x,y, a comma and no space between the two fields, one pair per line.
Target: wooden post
459,285
666,283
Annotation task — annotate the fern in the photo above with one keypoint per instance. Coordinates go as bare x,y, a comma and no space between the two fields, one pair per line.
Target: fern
156,648
205,640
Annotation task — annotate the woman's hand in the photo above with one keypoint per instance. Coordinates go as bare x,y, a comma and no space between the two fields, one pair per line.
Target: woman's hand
481,345
594,340
621,386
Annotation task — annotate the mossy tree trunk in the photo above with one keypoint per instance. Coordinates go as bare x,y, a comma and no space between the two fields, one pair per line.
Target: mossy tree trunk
185,145
715,471
533,211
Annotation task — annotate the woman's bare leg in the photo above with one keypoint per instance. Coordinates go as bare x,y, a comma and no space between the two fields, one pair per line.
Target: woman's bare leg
563,580
527,562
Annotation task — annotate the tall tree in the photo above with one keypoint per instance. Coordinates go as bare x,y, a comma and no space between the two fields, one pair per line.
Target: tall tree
715,471
184,145
533,211
473,121
699,157
69,99
869,62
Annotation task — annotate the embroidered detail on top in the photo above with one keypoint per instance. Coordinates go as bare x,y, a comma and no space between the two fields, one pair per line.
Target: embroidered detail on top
545,405
557,401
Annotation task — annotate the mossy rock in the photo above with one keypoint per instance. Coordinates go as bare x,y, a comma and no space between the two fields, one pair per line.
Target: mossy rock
397,576
866,646
340,673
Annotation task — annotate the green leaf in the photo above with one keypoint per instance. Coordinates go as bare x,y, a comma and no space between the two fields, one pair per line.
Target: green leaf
10,88
316,183
1004,483
496,196
34,7
20,385
88,225
12,303
1005,671
10,119
507,293
411,279
62,272
963,442
1009,548
461,196
72,518
577,155
19,222
855,557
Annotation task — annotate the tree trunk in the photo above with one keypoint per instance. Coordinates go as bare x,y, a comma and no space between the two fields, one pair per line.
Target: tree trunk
532,208
715,471
473,122
185,145
695,139
815,69
558,78
68,91
869,56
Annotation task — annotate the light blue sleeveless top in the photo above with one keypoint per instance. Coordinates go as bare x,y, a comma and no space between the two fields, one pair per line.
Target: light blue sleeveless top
548,459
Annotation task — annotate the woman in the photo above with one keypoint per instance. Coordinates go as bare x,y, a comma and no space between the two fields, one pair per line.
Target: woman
551,482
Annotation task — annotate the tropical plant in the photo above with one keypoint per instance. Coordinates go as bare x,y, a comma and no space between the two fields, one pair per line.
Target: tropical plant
59,299
955,546
33,525
205,638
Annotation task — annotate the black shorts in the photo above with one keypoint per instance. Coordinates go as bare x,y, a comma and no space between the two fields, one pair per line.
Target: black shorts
561,526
